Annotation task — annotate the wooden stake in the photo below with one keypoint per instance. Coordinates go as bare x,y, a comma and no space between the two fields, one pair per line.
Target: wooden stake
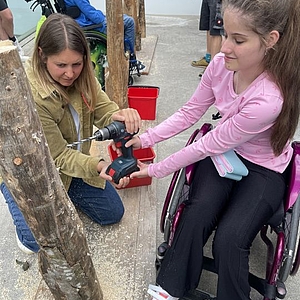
29,172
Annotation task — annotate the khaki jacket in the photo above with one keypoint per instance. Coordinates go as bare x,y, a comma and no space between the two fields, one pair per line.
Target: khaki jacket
59,128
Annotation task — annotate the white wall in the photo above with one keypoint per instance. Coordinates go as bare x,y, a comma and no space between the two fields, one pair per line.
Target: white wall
163,7
25,19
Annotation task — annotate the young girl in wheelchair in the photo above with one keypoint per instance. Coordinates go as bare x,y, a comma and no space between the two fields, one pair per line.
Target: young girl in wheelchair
254,82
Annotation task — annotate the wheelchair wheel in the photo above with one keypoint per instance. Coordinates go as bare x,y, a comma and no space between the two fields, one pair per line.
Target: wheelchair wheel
290,226
98,49
178,191
179,195
130,80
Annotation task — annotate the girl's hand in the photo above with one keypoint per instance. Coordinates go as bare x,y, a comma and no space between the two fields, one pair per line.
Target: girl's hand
143,172
130,117
135,142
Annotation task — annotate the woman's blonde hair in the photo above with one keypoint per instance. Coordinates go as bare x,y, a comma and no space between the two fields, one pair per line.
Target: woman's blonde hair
60,32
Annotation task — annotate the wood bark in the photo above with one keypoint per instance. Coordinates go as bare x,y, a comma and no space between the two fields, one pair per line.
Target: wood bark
117,81
131,8
29,172
142,18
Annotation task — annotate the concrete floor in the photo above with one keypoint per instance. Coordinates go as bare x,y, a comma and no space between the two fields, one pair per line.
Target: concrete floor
126,269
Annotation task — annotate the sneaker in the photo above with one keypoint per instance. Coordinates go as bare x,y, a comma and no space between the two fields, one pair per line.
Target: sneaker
22,246
201,63
140,65
21,51
159,293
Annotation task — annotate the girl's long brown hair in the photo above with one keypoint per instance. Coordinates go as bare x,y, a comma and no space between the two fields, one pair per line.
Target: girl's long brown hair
282,61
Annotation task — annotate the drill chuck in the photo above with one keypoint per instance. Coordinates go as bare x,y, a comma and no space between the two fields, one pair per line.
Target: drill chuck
113,131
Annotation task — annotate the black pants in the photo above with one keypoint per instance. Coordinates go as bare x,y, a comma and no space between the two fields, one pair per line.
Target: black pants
238,210
3,5
207,17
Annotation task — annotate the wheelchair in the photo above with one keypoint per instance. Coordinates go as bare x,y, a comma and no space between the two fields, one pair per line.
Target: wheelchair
283,253
97,40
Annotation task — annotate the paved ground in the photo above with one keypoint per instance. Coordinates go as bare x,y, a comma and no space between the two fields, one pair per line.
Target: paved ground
126,270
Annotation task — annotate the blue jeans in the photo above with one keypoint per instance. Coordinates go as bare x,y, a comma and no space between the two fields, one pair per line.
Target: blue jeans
129,32
104,206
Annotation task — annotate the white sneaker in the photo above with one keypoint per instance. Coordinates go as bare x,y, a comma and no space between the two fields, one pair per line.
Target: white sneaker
23,247
159,293
21,51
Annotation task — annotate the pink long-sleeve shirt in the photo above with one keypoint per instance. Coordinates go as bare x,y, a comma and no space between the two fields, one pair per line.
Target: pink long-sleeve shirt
245,126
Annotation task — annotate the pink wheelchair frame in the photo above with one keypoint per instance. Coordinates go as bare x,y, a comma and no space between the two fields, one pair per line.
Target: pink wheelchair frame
282,259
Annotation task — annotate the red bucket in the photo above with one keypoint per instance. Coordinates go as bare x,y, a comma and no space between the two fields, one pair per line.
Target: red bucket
143,99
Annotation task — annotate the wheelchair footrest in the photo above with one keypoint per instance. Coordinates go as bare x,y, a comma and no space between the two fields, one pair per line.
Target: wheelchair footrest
198,295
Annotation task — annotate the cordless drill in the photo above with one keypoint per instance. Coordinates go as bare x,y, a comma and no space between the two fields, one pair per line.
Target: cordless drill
122,165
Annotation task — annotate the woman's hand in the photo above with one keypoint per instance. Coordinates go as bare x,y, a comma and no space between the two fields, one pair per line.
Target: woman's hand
102,167
130,117
143,172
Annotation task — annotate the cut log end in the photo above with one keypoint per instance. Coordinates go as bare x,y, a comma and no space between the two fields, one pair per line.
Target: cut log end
6,46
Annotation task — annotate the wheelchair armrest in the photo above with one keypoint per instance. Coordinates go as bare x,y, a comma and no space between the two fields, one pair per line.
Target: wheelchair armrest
205,128
294,179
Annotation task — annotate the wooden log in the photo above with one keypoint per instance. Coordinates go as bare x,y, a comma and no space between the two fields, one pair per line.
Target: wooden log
138,41
142,18
117,81
131,8
29,172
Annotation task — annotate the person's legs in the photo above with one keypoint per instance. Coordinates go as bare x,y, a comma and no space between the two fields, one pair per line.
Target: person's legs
182,265
215,36
129,41
215,42
103,206
3,35
7,28
254,200
23,232
204,25
7,24
129,33
210,31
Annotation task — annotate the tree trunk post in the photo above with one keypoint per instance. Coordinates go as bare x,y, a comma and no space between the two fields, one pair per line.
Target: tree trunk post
29,172
142,18
117,80
131,9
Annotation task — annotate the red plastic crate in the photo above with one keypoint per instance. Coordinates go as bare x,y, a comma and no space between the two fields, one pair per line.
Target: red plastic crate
143,99
146,155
